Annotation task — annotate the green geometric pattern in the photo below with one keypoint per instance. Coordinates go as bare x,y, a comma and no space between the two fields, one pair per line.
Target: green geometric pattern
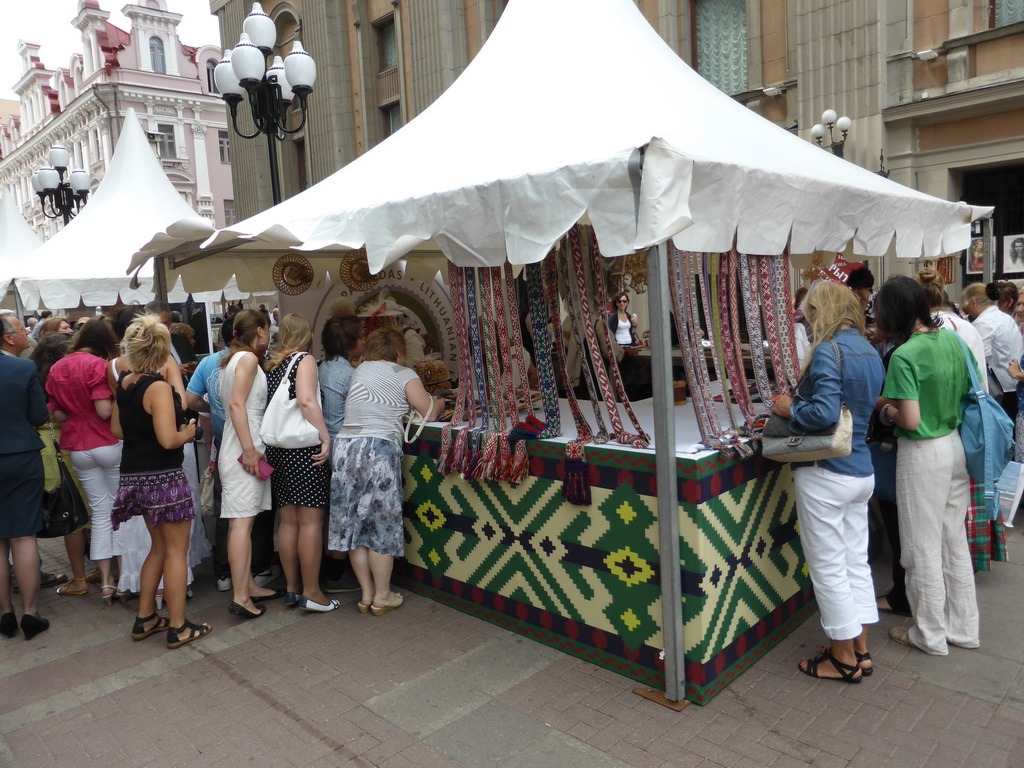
599,564
594,564
750,558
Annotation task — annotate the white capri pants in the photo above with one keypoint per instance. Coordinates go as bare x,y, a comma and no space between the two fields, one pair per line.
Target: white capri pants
833,514
932,493
99,470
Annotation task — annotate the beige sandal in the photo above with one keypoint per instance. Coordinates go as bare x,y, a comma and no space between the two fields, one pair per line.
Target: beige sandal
380,607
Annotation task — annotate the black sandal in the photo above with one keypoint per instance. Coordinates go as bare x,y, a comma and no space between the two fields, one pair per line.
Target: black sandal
196,631
238,610
861,657
139,631
846,671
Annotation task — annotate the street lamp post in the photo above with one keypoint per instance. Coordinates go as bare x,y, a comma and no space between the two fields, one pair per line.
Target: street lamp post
828,122
60,199
243,73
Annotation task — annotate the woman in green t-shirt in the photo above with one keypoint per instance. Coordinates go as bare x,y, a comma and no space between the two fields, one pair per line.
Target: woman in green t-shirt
924,386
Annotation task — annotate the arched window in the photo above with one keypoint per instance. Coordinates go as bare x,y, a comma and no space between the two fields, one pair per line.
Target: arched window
156,55
211,83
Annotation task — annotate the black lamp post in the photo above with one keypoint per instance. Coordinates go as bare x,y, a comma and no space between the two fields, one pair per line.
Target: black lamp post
60,199
243,73
828,122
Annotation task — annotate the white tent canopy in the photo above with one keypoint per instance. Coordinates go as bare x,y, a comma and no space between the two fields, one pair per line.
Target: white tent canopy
135,211
17,241
544,129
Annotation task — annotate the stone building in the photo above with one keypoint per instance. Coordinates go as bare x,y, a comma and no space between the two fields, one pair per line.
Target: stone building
170,86
934,86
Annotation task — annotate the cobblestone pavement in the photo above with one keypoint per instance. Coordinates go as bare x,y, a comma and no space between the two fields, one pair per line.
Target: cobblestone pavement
427,686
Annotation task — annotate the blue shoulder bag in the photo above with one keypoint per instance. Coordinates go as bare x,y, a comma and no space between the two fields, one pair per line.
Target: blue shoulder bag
986,432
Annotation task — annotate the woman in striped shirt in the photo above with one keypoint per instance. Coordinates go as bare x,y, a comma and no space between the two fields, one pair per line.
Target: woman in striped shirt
366,484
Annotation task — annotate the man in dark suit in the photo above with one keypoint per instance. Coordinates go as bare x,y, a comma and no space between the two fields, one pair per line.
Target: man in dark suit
18,437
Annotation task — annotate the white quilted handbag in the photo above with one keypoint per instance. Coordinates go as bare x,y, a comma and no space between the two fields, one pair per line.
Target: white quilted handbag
283,425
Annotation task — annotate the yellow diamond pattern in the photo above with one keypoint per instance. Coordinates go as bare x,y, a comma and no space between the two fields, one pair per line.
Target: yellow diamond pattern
426,474
640,571
430,515
630,620
434,557
626,512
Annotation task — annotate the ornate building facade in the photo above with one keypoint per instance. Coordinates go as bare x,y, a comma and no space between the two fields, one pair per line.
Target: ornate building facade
934,86
170,86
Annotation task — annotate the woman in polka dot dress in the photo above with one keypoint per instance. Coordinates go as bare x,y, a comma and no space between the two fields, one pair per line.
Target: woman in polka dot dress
302,478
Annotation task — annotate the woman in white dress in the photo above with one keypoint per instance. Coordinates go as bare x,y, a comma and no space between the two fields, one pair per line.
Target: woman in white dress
245,489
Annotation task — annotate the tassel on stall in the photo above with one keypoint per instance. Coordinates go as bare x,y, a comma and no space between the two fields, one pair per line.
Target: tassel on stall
519,467
576,488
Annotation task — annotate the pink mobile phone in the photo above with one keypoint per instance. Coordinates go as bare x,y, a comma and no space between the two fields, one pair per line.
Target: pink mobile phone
265,469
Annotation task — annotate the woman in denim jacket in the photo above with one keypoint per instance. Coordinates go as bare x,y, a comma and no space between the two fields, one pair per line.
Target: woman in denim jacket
832,494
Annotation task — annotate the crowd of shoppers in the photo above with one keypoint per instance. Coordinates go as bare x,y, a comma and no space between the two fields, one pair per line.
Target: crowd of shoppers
113,392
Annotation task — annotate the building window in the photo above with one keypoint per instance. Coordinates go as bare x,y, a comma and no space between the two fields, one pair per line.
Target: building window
387,44
225,147
721,41
229,212
1008,12
211,82
156,55
392,115
165,141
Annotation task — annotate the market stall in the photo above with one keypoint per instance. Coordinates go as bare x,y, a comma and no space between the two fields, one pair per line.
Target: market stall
592,532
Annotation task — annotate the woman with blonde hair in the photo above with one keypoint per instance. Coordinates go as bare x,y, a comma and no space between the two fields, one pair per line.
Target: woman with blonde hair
301,481
245,491
832,494
152,484
366,484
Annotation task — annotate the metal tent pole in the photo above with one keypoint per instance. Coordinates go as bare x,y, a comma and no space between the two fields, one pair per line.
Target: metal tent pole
665,457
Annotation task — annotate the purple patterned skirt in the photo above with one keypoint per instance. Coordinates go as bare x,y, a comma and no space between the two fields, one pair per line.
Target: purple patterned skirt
163,497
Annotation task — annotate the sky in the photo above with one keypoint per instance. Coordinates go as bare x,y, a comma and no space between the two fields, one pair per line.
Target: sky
48,22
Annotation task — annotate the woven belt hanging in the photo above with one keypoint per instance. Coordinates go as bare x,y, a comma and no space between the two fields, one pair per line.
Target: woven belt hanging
731,344
786,319
689,345
585,368
576,484
640,438
542,351
475,435
446,459
530,426
753,315
711,321
766,293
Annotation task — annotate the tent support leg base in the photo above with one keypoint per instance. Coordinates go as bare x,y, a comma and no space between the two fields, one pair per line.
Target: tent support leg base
658,697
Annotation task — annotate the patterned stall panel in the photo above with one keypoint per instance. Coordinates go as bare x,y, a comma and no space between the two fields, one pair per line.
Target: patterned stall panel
586,579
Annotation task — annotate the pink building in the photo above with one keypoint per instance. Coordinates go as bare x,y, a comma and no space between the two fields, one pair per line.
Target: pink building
170,86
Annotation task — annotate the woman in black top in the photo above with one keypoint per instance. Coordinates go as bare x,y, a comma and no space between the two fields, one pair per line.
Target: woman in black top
149,417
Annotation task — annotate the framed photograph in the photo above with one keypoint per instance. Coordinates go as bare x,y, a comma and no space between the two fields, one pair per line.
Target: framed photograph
1013,256
975,264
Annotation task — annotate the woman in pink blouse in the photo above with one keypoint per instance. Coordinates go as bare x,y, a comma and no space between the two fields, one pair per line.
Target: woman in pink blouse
80,396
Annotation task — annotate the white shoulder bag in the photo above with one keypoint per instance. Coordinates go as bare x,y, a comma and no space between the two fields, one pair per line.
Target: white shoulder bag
283,425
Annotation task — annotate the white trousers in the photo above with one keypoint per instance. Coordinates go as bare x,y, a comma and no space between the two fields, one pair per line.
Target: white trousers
99,470
932,493
833,513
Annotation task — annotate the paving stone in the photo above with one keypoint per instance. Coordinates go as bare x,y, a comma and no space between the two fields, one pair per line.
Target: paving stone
558,749
488,736
428,704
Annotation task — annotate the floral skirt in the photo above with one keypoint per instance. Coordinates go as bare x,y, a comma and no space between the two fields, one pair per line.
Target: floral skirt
163,497
366,496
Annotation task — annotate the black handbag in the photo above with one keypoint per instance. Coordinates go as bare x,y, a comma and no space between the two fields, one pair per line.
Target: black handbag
64,509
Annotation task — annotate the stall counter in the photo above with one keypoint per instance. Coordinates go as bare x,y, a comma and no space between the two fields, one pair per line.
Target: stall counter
585,579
